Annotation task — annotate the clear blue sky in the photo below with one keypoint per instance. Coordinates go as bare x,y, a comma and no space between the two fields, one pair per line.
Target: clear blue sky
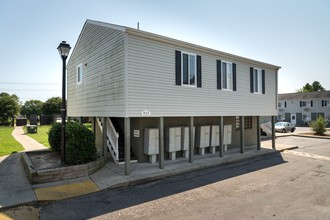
293,34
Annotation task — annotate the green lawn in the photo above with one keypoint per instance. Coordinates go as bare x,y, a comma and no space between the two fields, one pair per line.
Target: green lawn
8,144
41,136
88,125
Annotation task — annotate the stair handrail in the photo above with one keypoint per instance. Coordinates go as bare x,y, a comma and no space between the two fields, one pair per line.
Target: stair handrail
113,137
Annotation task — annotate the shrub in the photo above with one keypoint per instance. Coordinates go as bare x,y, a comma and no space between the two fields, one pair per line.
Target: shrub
54,137
80,143
319,125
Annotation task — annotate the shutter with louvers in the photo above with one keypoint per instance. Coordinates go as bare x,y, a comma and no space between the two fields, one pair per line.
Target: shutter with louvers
178,68
251,80
263,81
285,104
219,74
311,103
234,77
300,104
199,71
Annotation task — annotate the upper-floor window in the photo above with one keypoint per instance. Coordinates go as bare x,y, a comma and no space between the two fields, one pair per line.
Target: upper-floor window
257,80
226,75
79,73
306,103
279,105
325,103
188,69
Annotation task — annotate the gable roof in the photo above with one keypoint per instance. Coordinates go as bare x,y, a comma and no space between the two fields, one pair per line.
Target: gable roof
168,40
304,95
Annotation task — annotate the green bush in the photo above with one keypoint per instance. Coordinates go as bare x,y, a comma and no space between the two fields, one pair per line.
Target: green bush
54,137
80,143
319,125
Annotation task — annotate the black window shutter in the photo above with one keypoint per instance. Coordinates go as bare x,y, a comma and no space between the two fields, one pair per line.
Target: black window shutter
285,104
311,103
263,81
234,77
199,71
178,68
219,74
322,103
251,80
300,104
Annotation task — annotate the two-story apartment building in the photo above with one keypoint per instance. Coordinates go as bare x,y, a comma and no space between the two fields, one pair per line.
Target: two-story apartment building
162,98
301,108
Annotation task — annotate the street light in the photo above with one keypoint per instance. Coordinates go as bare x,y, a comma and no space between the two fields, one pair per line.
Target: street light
64,50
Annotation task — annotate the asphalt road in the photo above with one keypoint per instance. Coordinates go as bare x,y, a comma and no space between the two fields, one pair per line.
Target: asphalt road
291,185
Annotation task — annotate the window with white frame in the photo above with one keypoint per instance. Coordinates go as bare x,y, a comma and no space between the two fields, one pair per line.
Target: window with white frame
188,69
306,103
257,80
279,105
79,73
227,75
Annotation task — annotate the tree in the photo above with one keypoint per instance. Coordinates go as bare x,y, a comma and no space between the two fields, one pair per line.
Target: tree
9,107
315,87
32,107
52,106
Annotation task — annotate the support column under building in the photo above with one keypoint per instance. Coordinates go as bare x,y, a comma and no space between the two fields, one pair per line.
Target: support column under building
127,131
104,136
161,143
191,139
258,133
241,125
273,132
221,137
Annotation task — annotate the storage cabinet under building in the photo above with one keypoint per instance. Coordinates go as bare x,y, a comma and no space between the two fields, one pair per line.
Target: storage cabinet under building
151,143
173,141
202,138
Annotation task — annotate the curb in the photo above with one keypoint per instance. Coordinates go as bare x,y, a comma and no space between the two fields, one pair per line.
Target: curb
156,177
303,135
202,167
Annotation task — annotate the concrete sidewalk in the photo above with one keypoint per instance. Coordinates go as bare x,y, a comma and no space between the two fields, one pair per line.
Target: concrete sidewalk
17,191
27,142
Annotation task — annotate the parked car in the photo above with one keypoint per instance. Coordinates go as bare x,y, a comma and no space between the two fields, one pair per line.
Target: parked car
284,127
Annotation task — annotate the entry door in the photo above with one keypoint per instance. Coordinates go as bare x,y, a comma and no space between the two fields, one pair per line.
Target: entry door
293,119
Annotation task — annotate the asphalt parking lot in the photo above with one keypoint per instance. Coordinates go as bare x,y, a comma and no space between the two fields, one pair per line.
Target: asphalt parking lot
286,185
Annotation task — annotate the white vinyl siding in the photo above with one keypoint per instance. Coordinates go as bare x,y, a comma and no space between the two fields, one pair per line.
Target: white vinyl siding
150,63
100,50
